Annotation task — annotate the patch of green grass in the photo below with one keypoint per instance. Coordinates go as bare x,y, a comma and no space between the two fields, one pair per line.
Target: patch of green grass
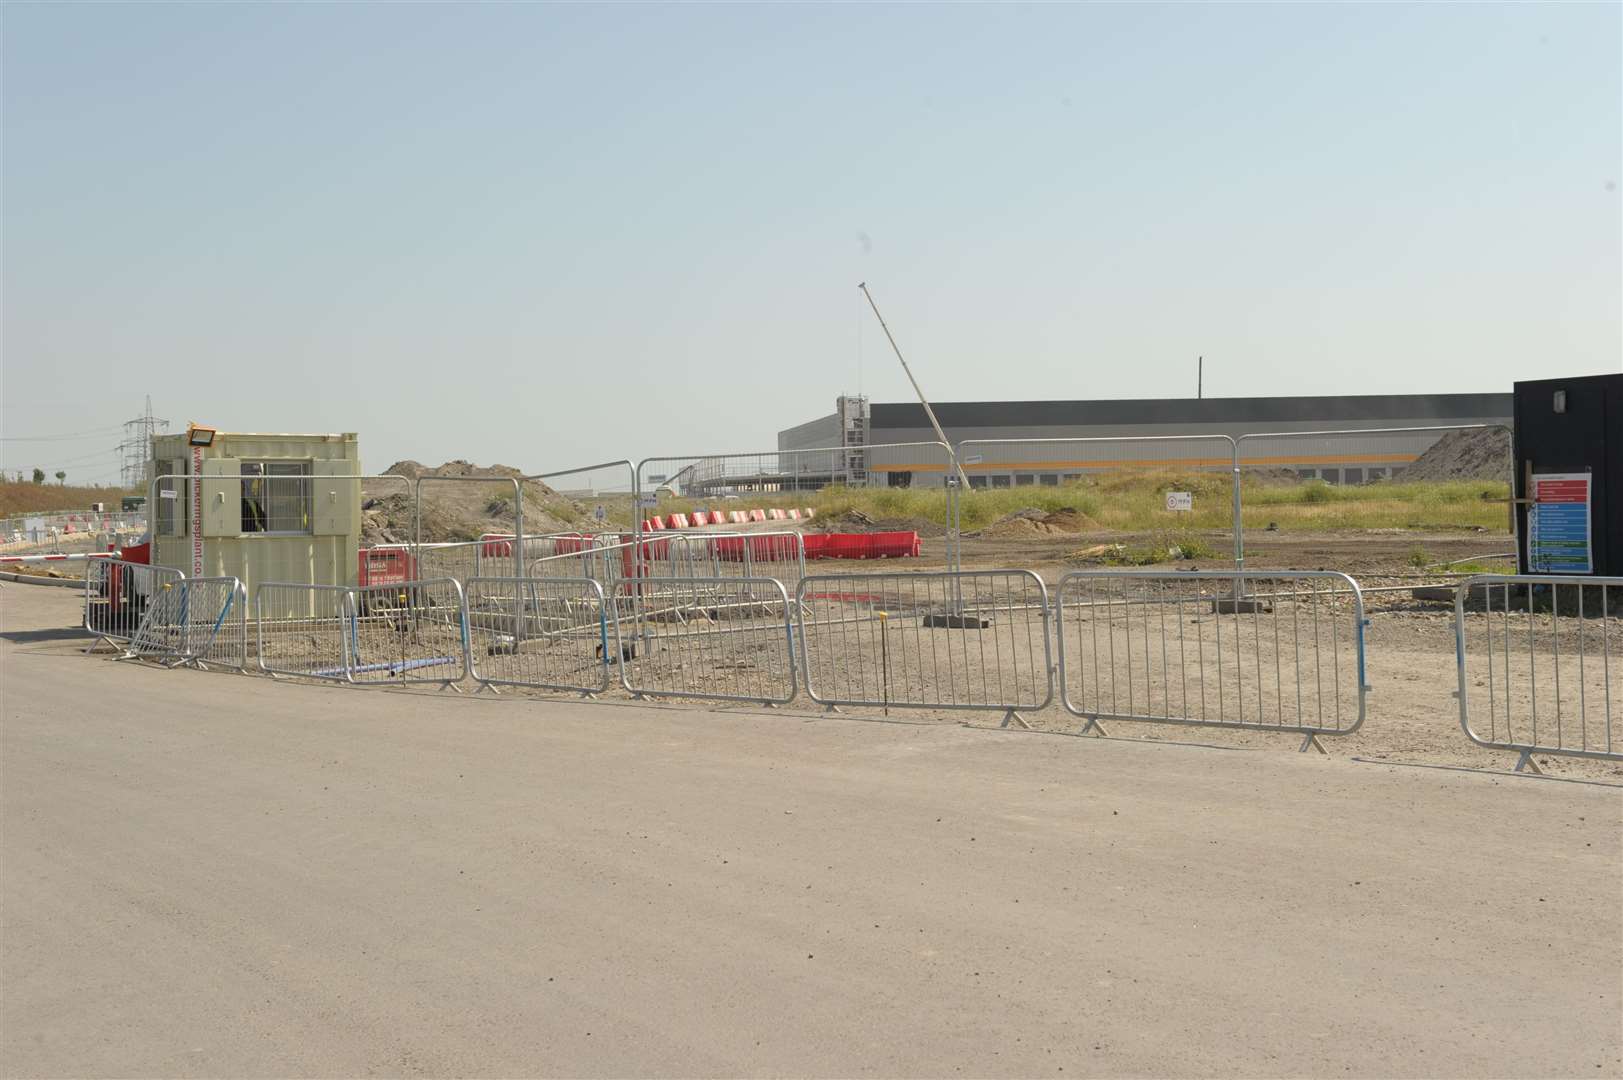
1163,548
1483,566
1419,557
1136,502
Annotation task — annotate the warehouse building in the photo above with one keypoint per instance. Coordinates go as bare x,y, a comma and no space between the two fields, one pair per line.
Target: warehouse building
993,437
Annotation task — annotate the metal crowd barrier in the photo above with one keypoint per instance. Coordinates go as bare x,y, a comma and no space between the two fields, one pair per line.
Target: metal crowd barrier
117,594
303,630
1275,651
548,633
410,632
213,622
604,559
971,640
779,555
198,621
1536,656
723,638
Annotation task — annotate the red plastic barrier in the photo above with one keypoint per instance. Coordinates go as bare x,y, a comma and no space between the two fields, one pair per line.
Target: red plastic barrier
676,521
880,545
893,545
727,548
701,517
757,515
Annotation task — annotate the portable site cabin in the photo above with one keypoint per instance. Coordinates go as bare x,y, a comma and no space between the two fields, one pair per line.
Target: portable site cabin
256,507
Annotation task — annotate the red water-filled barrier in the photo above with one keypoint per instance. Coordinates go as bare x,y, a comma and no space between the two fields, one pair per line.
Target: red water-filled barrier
500,545
877,545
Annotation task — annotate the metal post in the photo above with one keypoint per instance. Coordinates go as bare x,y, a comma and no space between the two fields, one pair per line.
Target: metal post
519,624
939,434
884,656
1239,525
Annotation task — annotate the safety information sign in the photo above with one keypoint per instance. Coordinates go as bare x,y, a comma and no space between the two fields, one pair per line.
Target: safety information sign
1558,527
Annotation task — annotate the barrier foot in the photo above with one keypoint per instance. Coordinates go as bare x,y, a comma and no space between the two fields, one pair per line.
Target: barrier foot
831,709
1094,725
1313,741
98,643
482,687
453,687
1017,718
1526,762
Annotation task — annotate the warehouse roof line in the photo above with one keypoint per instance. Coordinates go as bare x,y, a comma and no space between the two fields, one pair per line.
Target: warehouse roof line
1408,407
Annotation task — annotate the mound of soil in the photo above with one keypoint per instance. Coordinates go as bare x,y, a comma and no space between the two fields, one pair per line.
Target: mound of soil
453,512
850,521
1481,454
1034,522
855,521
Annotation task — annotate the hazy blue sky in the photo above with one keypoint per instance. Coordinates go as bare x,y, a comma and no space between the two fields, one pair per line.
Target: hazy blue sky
553,235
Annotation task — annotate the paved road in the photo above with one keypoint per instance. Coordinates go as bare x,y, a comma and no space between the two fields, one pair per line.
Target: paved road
217,875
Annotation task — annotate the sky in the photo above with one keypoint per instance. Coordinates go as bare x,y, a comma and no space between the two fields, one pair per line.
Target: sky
556,235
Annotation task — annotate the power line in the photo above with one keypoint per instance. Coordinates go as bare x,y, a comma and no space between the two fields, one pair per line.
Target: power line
58,438
103,455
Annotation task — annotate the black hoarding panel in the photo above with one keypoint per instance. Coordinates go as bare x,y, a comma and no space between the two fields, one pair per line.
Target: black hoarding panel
1574,427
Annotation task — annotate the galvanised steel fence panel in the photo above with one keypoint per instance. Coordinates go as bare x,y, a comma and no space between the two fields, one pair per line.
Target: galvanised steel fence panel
607,489
117,594
934,640
303,630
1115,470
1277,651
461,560
683,483
548,633
410,632
1342,457
1540,664
502,498
725,639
